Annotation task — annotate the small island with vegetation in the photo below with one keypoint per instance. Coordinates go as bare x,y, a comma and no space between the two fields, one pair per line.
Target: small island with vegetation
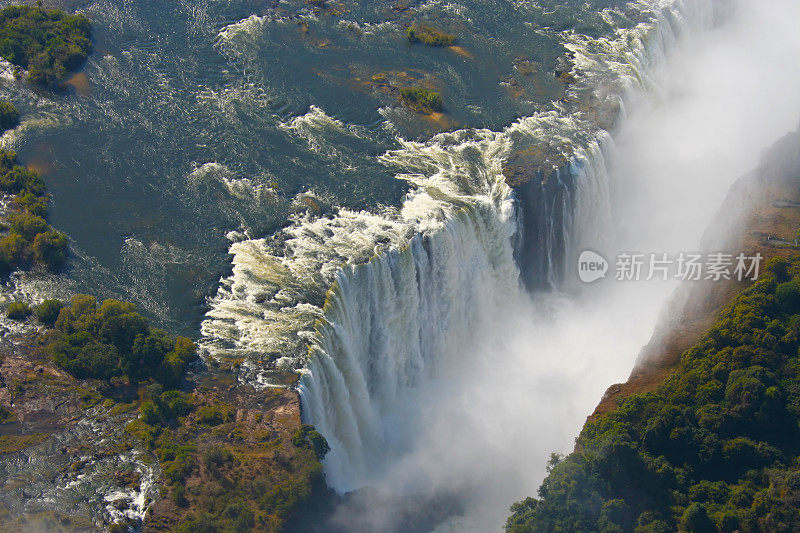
429,36
421,100
48,43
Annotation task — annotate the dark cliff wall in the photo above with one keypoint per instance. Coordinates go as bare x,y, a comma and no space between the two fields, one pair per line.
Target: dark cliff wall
546,209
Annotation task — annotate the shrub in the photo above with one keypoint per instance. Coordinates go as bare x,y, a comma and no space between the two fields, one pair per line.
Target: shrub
174,364
217,456
696,520
178,495
9,116
14,252
6,415
148,348
788,295
84,357
179,468
35,205
241,516
150,414
18,311
166,407
421,100
215,414
308,436
283,497
204,523
17,180
47,311
179,403
50,249
7,160
119,527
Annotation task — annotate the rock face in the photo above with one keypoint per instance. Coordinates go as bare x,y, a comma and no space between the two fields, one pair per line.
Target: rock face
544,188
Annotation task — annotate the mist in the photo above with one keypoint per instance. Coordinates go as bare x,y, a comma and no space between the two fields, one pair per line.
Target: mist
477,438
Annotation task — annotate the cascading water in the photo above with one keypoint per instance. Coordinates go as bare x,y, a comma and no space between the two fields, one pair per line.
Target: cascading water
390,323
411,287
394,321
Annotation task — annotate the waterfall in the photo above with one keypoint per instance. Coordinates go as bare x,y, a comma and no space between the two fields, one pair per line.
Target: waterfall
407,287
390,323
395,320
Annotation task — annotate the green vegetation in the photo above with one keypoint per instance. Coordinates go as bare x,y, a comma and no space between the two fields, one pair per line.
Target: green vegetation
47,311
237,475
715,448
216,456
9,116
421,100
115,340
29,239
15,443
215,414
50,248
166,408
47,42
308,436
422,33
18,311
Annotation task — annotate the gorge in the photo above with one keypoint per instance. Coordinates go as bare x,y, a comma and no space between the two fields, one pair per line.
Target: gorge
368,216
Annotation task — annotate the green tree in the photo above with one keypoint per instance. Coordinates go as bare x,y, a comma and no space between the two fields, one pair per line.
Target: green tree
696,520
84,357
19,179
29,202
9,116
14,252
121,342
50,249
27,226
